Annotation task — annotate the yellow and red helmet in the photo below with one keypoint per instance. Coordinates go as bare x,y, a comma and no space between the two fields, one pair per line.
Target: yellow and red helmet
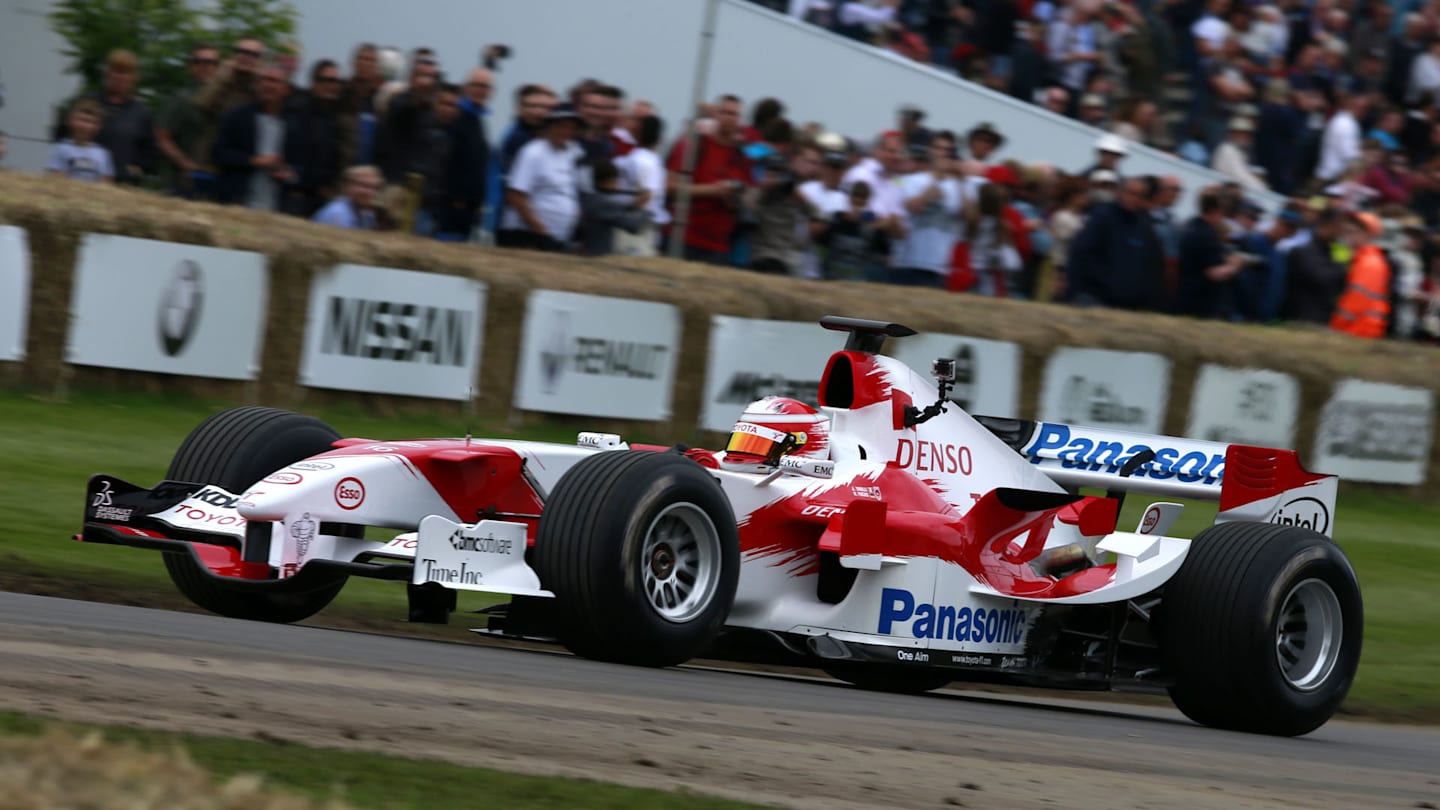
778,426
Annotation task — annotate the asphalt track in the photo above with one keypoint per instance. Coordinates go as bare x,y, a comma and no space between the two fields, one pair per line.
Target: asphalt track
796,741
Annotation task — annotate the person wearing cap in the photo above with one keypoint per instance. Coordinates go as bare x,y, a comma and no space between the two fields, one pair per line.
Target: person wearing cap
1232,156
542,193
1207,268
825,197
1093,111
1110,150
1364,307
915,132
984,140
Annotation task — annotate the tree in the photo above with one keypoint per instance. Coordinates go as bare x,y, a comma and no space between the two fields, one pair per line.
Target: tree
160,33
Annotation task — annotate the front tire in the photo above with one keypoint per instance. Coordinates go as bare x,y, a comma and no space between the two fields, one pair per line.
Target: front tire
643,555
1261,629
233,449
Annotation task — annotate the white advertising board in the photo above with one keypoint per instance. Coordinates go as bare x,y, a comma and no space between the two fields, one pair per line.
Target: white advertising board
987,372
750,359
388,331
1375,432
165,307
1244,406
1102,388
14,291
597,356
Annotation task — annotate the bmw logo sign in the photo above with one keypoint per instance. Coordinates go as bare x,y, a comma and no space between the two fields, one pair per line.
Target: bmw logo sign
180,306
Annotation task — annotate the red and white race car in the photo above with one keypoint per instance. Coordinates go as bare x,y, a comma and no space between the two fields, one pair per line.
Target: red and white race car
887,537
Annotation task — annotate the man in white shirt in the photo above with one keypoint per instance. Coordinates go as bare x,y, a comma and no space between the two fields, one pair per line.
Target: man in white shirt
882,173
643,172
1210,31
542,197
933,199
1340,144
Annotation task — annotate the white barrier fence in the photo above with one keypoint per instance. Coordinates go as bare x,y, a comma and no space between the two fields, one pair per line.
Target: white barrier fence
198,311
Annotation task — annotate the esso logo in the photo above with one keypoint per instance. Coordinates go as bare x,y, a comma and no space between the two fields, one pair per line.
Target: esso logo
284,477
1152,516
349,493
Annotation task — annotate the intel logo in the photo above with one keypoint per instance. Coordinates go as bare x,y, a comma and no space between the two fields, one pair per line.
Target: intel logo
1307,513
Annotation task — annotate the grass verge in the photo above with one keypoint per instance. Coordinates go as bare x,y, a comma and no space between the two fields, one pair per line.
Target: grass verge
57,759
51,448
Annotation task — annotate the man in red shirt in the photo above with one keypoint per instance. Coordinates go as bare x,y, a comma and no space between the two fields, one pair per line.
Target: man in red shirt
722,172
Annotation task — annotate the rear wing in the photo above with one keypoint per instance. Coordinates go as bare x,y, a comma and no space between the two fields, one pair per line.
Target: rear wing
1251,483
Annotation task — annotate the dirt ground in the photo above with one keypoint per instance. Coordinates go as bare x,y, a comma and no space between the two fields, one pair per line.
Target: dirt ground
805,756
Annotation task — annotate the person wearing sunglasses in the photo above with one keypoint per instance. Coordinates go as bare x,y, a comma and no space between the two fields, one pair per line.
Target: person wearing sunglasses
181,125
233,84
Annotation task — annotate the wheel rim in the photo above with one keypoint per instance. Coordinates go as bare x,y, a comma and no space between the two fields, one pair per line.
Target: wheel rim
680,562
1308,637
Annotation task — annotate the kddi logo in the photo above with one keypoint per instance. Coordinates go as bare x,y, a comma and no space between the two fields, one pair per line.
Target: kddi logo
216,497
180,306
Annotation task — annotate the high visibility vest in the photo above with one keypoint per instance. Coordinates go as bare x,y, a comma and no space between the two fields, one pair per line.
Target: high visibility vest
1364,308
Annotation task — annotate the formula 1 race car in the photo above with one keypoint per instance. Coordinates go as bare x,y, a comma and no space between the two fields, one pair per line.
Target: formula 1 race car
886,537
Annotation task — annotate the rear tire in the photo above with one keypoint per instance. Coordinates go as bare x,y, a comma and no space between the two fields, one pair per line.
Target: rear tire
643,555
233,449
887,677
1261,629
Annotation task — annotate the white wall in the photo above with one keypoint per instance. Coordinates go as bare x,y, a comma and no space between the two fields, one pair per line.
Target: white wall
32,69
646,46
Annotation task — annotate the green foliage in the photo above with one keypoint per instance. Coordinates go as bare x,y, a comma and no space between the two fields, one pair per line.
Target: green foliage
160,33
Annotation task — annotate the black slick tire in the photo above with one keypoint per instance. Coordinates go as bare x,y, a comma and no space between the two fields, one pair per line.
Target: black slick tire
1228,618
233,449
590,551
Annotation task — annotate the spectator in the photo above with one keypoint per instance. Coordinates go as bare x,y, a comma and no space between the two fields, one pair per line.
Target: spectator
881,172
1403,52
933,199
1136,120
622,135
1407,263
127,130
991,254
1313,279
233,85
1280,126
856,243
1067,221
860,20
721,173
764,111
1340,145
542,196
914,132
475,180
355,207
1167,230
644,173
1386,173
983,141
825,197
1364,307
1093,111
1073,45
406,123
78,157
533,102
781,212
1232,156
1110,150
1425,72
1207,268
600,108
180,127
357,98
257,147
605,210
1056,100
1116,259
328,137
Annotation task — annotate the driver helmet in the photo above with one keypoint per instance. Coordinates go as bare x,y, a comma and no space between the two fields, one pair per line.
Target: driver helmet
778,426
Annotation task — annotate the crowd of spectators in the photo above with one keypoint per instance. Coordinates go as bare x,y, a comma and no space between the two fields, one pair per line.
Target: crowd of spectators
392,143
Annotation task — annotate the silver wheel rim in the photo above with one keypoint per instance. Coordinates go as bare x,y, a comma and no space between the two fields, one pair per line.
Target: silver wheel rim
1307,639
680,562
